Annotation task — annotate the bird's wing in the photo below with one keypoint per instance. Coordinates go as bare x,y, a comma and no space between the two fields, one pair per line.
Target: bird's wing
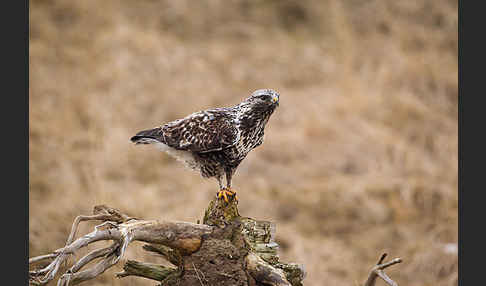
203,131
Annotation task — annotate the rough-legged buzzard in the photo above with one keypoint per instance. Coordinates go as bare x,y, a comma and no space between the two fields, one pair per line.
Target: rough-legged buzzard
215,141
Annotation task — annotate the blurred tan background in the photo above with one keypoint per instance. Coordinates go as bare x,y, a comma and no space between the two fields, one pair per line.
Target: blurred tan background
359,159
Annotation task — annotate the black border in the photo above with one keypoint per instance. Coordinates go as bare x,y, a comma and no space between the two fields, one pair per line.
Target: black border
471,83
15,117
15,135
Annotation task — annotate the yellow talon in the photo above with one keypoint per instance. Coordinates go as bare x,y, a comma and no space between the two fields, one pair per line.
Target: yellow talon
225,193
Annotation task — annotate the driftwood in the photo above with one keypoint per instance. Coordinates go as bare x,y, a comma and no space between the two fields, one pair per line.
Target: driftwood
226,249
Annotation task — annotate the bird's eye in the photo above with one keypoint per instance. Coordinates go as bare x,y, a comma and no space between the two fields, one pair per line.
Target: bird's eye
265,97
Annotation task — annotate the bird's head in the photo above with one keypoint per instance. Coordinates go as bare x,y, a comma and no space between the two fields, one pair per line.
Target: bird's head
258,107
264,98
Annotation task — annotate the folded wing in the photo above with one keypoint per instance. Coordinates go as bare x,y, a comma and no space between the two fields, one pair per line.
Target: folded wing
204,131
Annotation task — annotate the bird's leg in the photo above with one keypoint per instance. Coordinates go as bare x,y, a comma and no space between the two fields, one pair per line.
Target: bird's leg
220,181
229,175
226,193
222,193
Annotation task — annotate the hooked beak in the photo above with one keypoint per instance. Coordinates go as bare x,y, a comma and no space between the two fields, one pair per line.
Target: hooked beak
275,98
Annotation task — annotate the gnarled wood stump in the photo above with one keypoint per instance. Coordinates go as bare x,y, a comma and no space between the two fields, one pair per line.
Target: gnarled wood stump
239,251
226,249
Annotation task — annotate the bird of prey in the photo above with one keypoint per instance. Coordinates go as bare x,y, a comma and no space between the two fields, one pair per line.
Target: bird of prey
215,141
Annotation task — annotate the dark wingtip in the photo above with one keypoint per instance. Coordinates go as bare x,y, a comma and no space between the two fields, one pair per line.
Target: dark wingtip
135,138
143,139
142,136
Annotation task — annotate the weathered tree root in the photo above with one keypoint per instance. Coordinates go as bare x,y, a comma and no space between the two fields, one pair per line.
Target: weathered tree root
226,249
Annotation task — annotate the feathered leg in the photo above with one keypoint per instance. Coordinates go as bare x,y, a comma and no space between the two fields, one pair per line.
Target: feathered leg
229,176
222,193
219,177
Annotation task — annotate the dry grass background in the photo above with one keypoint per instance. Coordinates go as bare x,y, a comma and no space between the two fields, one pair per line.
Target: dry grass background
360,158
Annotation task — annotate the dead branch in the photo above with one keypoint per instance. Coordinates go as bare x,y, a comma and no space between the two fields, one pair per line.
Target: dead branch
93,255
377,271
146,270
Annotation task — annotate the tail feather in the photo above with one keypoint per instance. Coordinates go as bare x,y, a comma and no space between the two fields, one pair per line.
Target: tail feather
148,136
